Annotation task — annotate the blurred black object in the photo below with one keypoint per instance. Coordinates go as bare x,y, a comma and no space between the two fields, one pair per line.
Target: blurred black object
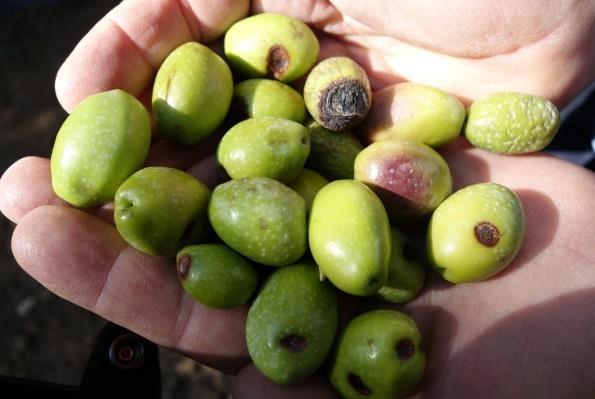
575,141
123,365
27,3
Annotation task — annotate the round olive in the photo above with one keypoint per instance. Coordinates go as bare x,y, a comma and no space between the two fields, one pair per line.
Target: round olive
512,123
377,355
215,275
476,232
104,140
271,45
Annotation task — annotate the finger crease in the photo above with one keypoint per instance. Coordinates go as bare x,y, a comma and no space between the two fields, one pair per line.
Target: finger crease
100,294
141,54
182,320
194,28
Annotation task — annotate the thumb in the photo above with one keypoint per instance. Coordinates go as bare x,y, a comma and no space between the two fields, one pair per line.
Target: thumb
125,48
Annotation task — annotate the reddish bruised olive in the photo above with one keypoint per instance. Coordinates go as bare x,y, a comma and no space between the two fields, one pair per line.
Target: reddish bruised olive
410,178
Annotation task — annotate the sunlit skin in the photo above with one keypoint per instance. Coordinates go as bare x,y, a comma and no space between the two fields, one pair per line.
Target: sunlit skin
502,338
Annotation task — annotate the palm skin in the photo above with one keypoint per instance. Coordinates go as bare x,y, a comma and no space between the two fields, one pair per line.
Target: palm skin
524,333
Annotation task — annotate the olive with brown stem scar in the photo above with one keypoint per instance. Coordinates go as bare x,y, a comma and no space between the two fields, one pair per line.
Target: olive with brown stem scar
475,233
337,93
271,45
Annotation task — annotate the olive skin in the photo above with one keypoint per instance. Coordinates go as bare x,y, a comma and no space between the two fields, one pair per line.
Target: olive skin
261,219
475,233
307,184
265,97
291,324
414,111
377,355
406,270
216,276
264,147
332,154
271,45
192,93
410,178
157,206
512,123
104,140
349,237
337,93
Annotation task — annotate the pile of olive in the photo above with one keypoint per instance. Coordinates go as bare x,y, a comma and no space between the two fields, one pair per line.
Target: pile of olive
337,224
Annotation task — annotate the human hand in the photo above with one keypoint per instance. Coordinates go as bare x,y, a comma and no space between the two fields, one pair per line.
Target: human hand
536,315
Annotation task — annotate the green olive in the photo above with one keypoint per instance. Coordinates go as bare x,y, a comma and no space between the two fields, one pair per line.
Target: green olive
406,270
475,233
265,97
158,208
512,123
264,147
378,355
349,237
192,93
215,275
261,219
271,45
105,139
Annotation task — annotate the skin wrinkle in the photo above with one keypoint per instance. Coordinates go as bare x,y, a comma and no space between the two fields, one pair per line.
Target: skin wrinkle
184,312
187,14
414,32
141,54
147,41
99,298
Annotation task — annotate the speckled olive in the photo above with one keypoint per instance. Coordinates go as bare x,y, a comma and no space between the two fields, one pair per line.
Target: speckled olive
264,147
337,93
192,93
266,97
415,112
406,270
261,219
292,323
215,275
378,355
475,233
157,209
103,141
271,45
332,154
512,123
349,237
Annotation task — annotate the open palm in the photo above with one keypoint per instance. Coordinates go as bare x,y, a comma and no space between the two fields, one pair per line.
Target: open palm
524,333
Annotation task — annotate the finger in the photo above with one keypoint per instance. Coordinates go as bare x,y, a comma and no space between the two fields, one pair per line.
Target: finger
26,185
84,260
124,49
252,384
318,14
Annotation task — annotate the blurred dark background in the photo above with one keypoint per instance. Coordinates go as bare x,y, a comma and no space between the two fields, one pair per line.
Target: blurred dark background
43,337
